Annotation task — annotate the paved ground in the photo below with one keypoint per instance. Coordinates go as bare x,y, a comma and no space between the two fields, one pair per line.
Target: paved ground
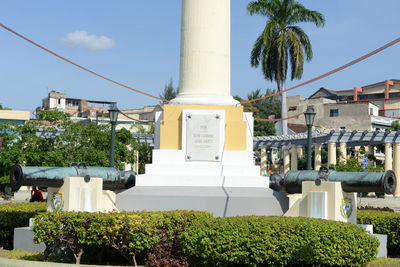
389,202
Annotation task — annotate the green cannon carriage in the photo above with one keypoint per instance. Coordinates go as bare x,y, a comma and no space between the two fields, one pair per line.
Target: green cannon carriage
360,182
113,179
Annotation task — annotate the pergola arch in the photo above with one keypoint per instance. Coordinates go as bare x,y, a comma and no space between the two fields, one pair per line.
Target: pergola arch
333,140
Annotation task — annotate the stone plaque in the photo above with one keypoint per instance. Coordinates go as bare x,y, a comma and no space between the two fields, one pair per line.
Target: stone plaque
202,137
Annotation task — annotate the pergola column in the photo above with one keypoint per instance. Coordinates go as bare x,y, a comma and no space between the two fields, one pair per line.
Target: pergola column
396,166
317,156
369,150
357,150
332,153
263,162
301,153
286,160
293,161
388,157
343,152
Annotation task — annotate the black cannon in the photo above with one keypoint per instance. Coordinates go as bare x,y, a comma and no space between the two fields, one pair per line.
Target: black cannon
360,182
113,179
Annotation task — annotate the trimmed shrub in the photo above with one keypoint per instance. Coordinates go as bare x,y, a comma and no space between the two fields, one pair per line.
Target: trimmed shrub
130,234
385,223
168,251
255,241
16,215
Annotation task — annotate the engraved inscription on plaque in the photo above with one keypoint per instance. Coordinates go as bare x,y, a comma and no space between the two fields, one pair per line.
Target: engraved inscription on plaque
202,137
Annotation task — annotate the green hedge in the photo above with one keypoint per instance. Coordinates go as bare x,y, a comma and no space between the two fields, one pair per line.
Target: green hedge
130,234
16,215
386,223
255,241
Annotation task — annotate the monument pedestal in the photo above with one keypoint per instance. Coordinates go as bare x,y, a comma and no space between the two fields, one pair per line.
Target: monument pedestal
203,161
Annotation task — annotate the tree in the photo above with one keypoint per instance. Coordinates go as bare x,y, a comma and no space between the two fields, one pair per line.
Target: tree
262,109
3,108
396,126
282,41
169,92
55,140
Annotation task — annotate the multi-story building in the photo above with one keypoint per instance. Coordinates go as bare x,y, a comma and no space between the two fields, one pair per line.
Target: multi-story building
370,107
14,116
97,111
76,107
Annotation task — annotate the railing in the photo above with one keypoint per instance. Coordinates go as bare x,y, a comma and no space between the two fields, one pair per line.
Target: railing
390,113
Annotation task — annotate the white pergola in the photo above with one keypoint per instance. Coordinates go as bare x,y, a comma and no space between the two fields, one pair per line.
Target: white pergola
333,140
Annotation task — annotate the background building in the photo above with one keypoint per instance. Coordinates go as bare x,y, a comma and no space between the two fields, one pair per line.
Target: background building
14,116
371,107
94,111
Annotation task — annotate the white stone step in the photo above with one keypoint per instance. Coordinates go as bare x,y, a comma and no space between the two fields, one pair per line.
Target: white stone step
198,180
165,156
202,169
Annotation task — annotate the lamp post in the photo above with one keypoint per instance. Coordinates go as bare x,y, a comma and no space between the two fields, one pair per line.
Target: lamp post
309,115
113,119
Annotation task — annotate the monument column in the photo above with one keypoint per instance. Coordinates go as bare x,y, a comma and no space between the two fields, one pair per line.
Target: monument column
317,156
331,153
204,157
205,53
293,161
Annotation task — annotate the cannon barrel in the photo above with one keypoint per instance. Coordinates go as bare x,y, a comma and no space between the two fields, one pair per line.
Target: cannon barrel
379,182
113,179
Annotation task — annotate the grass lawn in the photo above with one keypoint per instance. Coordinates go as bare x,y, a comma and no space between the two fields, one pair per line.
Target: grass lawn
385,262
23,255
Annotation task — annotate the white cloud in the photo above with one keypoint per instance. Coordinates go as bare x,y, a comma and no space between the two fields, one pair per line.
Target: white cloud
88,41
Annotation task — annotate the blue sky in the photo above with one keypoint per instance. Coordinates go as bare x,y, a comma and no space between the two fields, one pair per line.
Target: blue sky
141,48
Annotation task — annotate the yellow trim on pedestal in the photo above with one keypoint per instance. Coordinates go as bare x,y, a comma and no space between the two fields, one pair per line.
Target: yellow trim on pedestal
171,126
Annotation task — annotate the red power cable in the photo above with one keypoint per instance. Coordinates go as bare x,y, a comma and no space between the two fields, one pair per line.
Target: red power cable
330,72
79,66
244,102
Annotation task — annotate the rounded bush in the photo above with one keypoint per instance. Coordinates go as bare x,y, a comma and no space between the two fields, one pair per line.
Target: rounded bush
16,215
385,223
255,241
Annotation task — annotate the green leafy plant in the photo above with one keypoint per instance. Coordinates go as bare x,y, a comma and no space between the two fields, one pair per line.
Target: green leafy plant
132,235
386,223
16,215
277,241
62,141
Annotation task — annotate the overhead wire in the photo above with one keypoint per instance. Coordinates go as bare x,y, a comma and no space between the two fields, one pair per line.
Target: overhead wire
243,102
79,66
330,72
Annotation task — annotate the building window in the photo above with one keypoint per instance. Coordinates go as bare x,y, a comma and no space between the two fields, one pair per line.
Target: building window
371,111
334,113
293,108
59,101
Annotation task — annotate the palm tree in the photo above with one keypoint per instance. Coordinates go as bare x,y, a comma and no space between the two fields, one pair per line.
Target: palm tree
282,41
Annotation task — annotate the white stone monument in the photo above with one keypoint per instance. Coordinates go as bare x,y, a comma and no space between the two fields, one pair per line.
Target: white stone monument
203,156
